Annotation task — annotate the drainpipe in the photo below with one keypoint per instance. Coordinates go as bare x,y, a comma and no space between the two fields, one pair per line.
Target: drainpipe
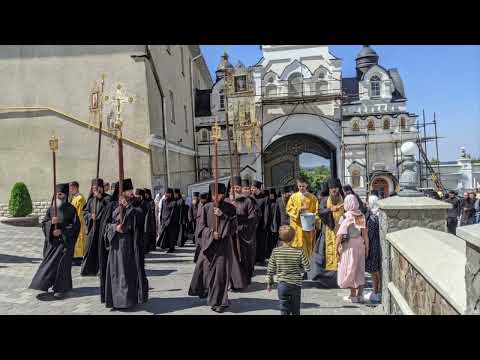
148,56
195,146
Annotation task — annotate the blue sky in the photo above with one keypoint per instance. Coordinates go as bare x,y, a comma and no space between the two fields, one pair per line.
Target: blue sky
441,79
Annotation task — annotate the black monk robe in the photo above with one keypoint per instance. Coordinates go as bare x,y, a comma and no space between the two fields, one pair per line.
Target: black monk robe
126,283
272,227
192,220
90,263
169,222
212,270
243,263
182,221
56,268
107,218
260,238
150,225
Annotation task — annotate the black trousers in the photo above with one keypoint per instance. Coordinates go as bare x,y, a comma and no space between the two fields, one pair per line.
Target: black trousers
452,225
290,298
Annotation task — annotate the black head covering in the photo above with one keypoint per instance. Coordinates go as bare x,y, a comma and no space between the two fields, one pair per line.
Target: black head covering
63,188
287,189
115,192
334,183
237,181
257,184
97,182
196,193
204,196
348,188
266,192
169,191
324,189
148,191
127,184
140,192
177,191
245,183
222,189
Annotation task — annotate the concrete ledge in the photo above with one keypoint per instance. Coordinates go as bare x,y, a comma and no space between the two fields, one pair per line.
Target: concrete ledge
412,203
439,257
470,234
31,221
400,300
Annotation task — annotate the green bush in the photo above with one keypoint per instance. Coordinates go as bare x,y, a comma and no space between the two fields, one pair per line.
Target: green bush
20,204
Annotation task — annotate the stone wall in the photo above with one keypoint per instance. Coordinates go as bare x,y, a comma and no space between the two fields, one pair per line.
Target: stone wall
421,297
39,209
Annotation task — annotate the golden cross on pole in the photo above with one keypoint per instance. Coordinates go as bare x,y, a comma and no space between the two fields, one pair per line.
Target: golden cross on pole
118,98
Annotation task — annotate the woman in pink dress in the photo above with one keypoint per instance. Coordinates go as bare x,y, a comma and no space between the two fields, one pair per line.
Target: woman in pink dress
352,248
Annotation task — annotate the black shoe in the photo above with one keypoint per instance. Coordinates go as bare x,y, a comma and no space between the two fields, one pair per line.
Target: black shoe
59,295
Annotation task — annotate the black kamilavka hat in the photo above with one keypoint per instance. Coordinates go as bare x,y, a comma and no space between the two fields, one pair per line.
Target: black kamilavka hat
237,181
287,189
97,182
246,183
334,183
204,196
127,184
63,188
177,191
257,184
148,191
222,189
169,191
196,193
140,192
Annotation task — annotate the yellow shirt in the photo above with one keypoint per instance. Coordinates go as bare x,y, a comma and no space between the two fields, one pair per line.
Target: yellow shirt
78,201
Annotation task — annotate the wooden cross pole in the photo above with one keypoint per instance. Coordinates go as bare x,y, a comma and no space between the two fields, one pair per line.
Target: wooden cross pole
216,136
53,143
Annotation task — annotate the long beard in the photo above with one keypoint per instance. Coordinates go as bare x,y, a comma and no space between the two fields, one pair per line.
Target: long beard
59,202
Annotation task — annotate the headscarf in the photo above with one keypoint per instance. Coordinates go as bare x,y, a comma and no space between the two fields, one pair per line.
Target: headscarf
353,215
373,204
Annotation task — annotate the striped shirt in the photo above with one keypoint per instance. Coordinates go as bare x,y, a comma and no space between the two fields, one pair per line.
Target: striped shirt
288,264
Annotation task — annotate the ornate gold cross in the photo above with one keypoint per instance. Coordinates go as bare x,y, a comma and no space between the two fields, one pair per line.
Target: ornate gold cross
118,98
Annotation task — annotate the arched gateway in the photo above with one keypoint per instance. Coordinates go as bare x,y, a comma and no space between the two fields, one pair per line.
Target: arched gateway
281,159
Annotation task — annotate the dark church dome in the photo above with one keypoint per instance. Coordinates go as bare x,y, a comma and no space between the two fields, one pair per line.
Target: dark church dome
366,58
224,65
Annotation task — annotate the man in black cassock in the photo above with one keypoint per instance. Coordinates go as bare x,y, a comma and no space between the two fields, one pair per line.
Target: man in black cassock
261,199
182,218
55,270
192,215
139,203
272,229
169,223
150,222
107,218
281,217
126,283
243,259
203,199
217,227
90,263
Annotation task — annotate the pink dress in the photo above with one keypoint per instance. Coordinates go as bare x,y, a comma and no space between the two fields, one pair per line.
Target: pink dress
351,268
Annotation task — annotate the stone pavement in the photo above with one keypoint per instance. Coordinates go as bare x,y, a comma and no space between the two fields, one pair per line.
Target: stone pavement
169,277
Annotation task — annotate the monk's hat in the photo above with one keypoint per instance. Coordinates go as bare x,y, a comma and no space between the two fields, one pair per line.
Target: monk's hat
334,183
177,191
148,192
246,183
204,196
222,189
196,193
287,189
140,192
127,185
257,184
169,191
63,188
97,182
237,181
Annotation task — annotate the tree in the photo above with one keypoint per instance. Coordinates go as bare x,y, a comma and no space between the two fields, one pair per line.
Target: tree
20,204
316,176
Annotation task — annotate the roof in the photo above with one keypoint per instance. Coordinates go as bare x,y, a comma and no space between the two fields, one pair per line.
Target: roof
399,92
366,51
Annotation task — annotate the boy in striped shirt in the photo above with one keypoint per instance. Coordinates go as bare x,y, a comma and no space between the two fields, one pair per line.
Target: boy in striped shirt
288,264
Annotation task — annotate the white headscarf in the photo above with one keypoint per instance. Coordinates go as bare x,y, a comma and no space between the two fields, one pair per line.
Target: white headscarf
373,204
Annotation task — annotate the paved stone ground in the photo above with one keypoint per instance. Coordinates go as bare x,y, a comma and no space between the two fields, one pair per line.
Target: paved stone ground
169,277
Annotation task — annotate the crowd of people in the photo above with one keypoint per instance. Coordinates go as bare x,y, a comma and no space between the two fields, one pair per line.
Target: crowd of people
464,211
234,228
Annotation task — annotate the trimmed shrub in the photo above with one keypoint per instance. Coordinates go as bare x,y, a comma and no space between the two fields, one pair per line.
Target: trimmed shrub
20,204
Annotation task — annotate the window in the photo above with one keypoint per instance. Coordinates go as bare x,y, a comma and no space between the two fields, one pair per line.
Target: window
222,100
172,107
386,124
375,86
182,60
321,75
356,127
403,123
169,49
186,118
204,135
355,178
295,84
271,91
371,125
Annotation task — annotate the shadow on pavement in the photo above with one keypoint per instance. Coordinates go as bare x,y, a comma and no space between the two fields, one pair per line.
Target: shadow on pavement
154,272
245,305
83,291
159,306
164,261
18,259
253,287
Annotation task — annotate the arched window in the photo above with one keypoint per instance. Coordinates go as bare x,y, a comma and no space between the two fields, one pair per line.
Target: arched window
355,178
295,84
356,127
403,123
222,100
271,91
371,125
321,87
386,124
375,86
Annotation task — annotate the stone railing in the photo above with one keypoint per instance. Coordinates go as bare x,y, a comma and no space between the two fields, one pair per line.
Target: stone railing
39,209
471,236
427,273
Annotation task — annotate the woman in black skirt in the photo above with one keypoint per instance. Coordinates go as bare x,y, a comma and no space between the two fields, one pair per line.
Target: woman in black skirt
373,262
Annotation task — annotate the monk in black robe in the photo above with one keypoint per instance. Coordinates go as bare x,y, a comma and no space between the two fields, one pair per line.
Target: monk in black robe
139,203
272,228
203,199
281,217
169,223
93,213
260,237
126,283
150,221
192,215
107,218
212,270
61,232
182,217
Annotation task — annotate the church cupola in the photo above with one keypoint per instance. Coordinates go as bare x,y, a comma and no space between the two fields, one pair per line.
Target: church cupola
224,65
365,60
